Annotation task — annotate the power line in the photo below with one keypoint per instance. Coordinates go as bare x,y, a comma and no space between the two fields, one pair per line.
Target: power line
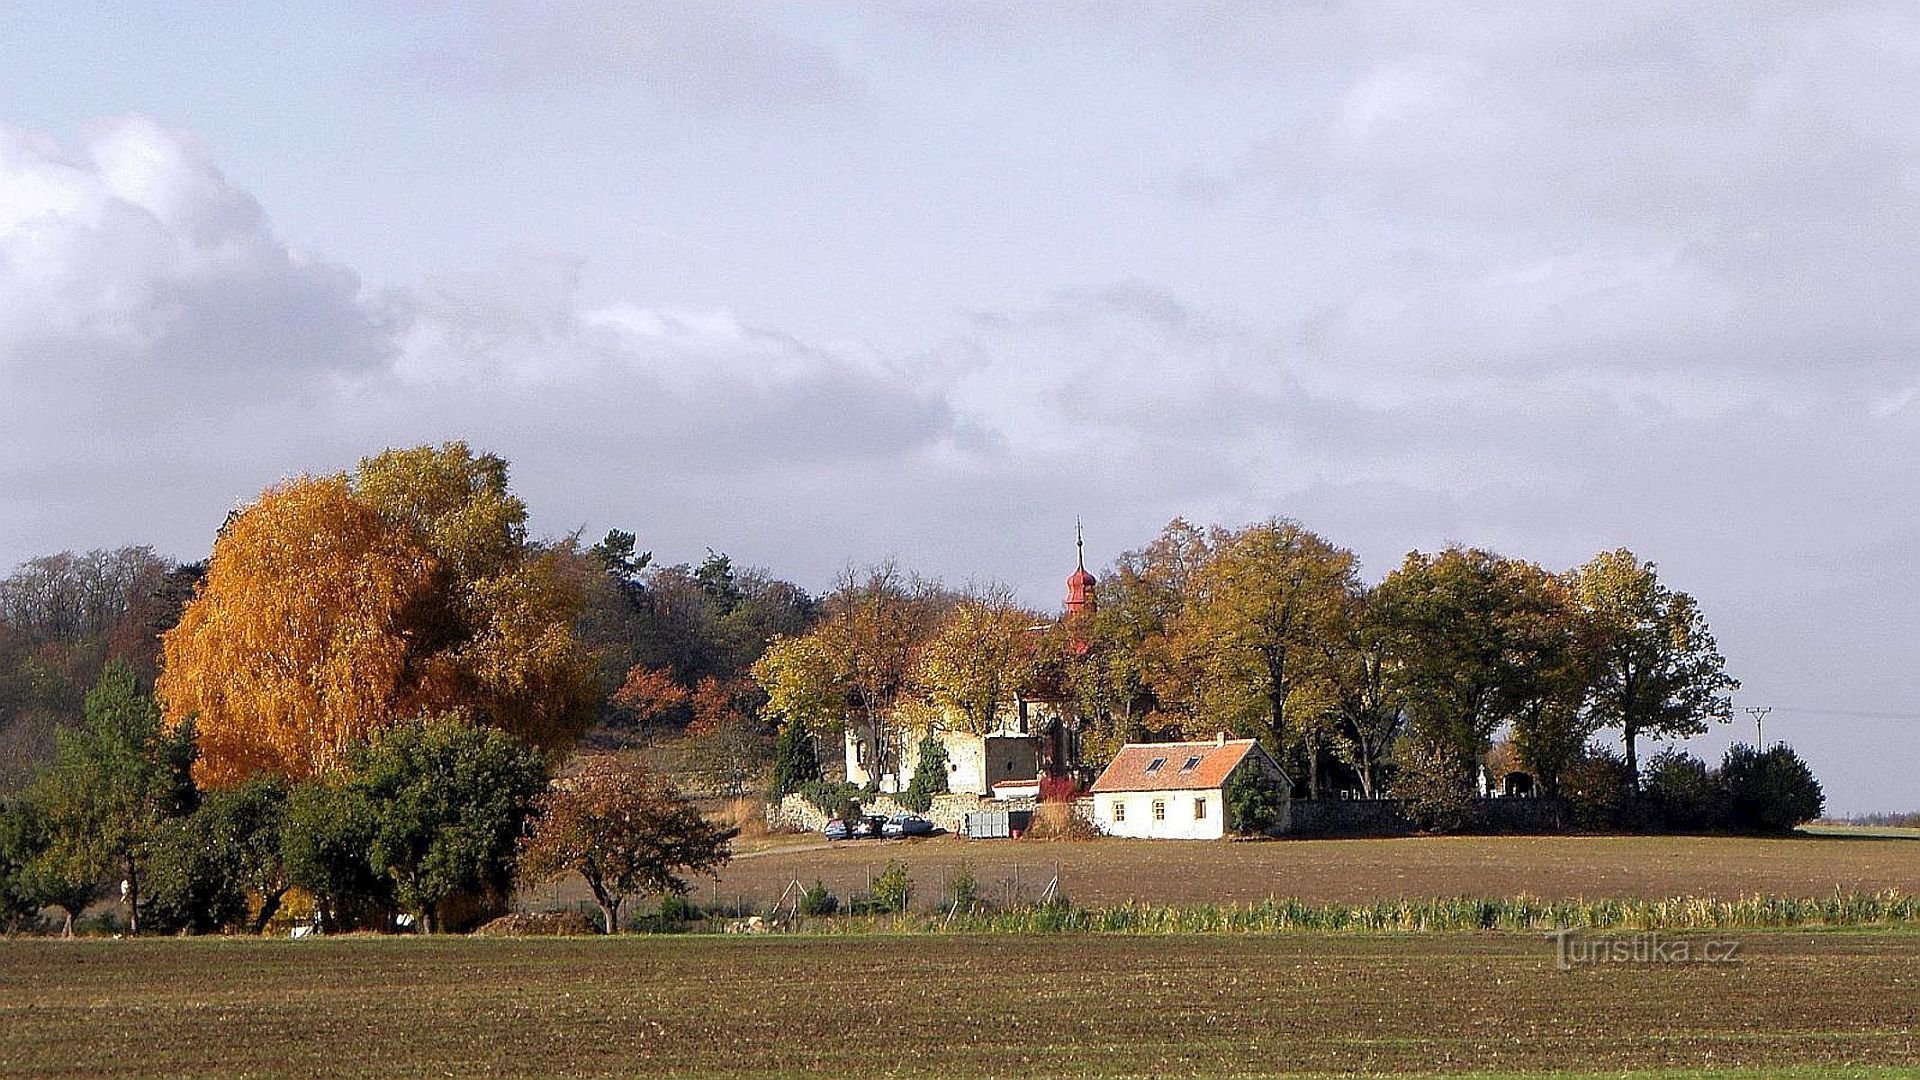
1853,713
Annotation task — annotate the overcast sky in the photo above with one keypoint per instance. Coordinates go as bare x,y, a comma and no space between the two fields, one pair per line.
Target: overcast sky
819,284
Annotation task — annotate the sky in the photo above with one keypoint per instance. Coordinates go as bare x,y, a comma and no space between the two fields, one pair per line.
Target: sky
822,284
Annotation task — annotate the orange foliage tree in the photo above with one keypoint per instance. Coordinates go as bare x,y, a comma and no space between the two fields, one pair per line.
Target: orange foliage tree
337,606
626,831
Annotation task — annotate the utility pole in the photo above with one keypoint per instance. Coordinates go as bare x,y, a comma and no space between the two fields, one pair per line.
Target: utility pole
1759,713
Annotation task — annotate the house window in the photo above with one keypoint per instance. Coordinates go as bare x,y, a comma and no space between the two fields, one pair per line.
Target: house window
1119,810
1155,764
1159,809
1200,809
1192,763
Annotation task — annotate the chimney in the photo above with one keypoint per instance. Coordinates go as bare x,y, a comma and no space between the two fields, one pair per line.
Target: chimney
1219,738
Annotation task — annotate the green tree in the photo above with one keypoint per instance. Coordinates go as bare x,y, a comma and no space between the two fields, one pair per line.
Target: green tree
325,832
19,844
623,829
893,889
929,775
796,760
447,801
1473,636
193,880
245,822
114,780
1769,790
1659,672
46,873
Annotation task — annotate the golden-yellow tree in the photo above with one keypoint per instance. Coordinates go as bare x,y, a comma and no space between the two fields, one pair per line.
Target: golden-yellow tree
337,606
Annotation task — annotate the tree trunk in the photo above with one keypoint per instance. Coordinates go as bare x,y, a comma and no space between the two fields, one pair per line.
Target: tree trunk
269,907
1630,736
1313,767
132,897
66,929
610,911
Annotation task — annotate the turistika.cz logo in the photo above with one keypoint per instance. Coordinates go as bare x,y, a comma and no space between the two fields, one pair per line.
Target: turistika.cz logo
1572,948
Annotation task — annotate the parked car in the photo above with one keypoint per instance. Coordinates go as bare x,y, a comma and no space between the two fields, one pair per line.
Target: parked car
869,827
835,829
907,825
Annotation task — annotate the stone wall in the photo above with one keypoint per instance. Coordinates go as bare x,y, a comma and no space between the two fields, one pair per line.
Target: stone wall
794,813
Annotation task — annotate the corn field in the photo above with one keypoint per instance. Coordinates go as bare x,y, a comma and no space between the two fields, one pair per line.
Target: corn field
1521,913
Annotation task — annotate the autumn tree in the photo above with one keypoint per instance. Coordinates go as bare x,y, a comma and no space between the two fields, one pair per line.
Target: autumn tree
1127,683
1473,635
853,669
1367,720
1259,608
1659,673
652,696
977,659
623,829
336,606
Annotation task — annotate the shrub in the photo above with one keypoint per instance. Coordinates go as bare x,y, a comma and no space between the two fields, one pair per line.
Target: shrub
963,889
929,776
1060,821
1430,781
1060,789
841,800
1681,792
676,908
1253,800
1598,790
893,888
1769,790
816,900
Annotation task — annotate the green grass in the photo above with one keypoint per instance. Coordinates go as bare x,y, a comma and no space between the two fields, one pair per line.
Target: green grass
952,1005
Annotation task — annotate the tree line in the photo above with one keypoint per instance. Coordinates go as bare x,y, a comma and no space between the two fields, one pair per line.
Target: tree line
348,631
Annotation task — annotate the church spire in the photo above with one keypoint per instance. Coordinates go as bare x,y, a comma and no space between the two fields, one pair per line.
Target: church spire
1080,587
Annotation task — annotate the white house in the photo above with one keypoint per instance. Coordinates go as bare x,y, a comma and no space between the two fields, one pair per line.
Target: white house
1175,791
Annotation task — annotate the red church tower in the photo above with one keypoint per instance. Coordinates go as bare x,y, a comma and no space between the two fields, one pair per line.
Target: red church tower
1083,597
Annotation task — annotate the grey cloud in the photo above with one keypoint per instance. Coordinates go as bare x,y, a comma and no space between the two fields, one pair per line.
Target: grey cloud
716,55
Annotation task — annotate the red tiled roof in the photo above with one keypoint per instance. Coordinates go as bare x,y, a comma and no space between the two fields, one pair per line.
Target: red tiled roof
1129,770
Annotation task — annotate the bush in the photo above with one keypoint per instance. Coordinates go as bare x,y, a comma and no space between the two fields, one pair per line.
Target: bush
893,888
1598,790
1060,789
1060,821
929,776
1433,785
1682,793
1768,790
675,908
841,800
816,900
963,889
1253,800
